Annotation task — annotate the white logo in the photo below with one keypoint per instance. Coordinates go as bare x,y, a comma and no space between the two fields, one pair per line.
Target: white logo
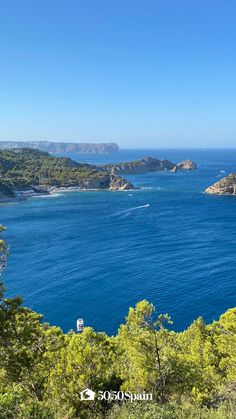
87,394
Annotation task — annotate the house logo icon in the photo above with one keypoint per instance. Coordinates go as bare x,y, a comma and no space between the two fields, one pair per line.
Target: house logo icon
87,394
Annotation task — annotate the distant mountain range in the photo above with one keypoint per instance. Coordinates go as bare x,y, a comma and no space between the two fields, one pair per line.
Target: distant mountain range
62,147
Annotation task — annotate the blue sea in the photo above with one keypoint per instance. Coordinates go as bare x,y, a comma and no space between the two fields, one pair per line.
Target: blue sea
95,254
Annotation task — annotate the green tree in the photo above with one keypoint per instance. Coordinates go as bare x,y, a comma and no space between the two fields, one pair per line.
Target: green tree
87,361
143,343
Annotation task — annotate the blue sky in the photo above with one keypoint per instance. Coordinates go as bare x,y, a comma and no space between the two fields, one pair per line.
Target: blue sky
144,73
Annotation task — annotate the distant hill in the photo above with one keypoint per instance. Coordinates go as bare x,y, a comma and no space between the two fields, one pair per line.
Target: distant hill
62,147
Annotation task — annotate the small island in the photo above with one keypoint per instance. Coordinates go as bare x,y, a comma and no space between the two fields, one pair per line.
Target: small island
225,186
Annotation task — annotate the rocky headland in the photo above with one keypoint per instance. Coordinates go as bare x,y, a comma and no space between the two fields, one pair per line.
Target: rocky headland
26,172
148,164
225,186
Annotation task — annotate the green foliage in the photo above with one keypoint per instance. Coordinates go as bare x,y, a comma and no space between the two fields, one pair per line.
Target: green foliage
143,342
24,168
86,361
171,411
191,374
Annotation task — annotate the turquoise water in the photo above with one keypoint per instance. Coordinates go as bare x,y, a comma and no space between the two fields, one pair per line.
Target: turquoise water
93,254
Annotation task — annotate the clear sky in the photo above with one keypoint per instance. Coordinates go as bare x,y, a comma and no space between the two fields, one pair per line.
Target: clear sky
143,73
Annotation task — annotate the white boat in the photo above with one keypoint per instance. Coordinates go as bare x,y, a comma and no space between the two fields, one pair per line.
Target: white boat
80,325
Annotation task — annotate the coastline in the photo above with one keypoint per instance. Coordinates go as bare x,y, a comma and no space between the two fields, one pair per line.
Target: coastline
27,194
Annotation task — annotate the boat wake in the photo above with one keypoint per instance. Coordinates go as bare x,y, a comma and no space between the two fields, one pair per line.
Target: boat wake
125,215
129,210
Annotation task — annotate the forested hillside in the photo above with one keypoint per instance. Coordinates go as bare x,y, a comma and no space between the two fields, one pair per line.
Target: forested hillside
191,374
27,168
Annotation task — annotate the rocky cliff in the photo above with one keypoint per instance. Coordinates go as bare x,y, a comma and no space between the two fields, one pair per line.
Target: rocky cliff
225,186
186,165
107,181
118,183
62,147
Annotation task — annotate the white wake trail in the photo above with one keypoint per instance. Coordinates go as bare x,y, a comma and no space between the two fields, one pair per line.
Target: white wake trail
128,210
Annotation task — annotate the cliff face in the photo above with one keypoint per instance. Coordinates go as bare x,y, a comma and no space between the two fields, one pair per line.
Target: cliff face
108,181
62,147
186,165
225,186
148,164
118,183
